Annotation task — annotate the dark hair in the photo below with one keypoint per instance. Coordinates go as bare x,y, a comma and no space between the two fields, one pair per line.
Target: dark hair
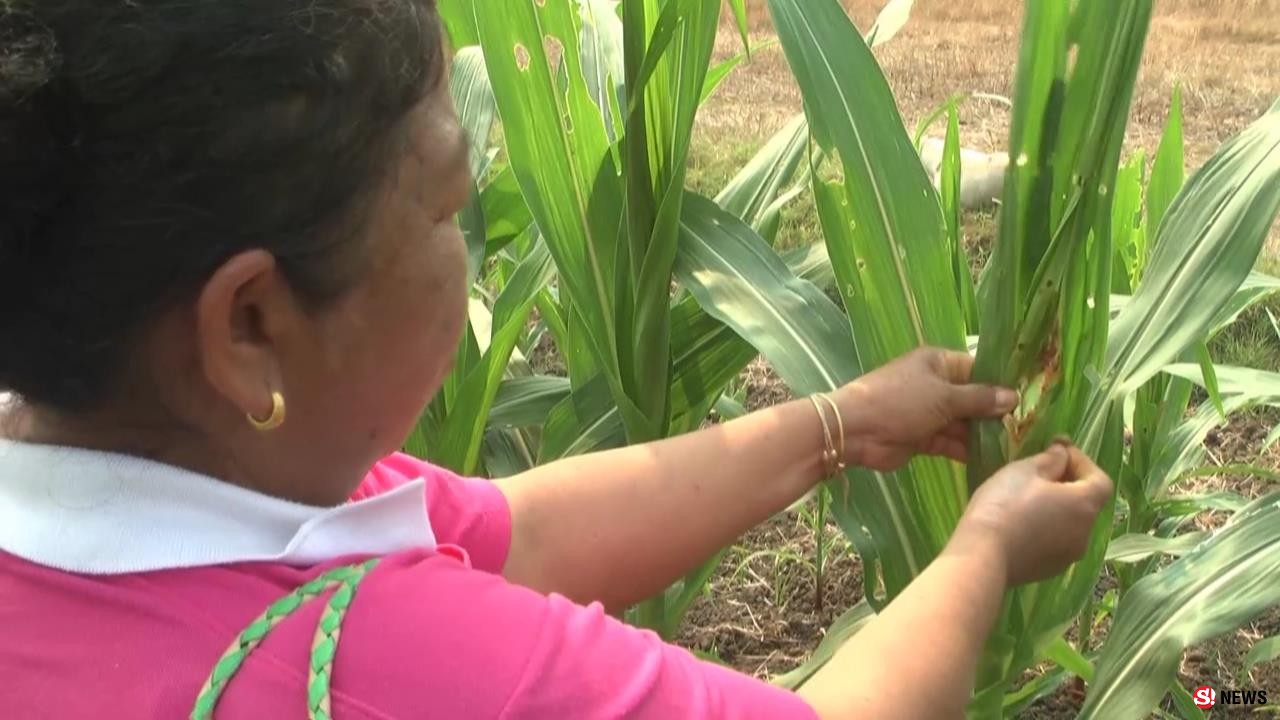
145,142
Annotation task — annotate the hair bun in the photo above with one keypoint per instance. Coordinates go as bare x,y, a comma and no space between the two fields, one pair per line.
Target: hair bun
30,56
31,158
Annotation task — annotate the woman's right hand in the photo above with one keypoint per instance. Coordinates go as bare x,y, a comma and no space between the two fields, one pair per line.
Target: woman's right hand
1040,510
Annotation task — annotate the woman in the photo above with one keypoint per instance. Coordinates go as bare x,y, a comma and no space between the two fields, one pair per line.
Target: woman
230,281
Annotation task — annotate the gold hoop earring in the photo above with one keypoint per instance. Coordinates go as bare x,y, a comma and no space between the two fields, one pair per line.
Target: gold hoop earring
275,419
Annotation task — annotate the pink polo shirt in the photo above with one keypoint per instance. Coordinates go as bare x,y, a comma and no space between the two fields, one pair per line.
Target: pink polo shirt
434,631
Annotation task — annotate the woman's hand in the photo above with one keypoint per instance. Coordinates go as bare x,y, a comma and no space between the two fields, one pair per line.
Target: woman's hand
1039,511
919,403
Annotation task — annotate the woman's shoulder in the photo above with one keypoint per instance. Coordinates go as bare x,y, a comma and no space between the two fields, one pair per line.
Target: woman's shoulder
469,512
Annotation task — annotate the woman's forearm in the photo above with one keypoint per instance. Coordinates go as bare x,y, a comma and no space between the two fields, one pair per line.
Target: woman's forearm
621,525
919,657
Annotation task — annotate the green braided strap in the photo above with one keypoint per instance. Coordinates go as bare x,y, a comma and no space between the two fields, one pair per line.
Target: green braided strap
323,648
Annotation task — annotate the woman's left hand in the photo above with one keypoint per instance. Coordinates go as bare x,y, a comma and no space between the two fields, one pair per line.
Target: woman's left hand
918,404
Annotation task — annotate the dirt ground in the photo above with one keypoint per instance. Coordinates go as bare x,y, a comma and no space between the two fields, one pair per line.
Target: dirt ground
762,614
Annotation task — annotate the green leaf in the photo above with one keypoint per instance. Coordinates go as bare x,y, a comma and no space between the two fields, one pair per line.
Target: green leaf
1128,233
892,18
1182,448
1183,701
1255,288
1224,583
602,61
656,148
507,453
1167,170
950,177
1016,702
560,154
462,433
740,16
1260,385
506,216
1066,656
1135,547
1206,247
525,401
459,22
844,627
1233,469
885,235
473,97
1210,377
1263,651
740,281
753,193
721,70
1192,504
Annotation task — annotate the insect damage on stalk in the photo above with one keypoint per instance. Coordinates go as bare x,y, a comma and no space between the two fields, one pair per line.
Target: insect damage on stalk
1036,392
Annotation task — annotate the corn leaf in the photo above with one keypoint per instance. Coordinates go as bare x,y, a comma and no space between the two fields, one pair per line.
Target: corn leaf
1180,506
1167,169
740,281
506,217
844,627
602,63
459,22
1134,547
525,401
950,182
656,147
753,193
1264,651
886,239
1128,231
461,435
473,97
740,17
1255,288
1222,584
1260,385
1185,704
1207,246
892,18
1182,448
1210,376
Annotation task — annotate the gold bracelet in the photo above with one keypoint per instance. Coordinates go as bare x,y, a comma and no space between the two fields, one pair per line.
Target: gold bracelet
839,464
830,460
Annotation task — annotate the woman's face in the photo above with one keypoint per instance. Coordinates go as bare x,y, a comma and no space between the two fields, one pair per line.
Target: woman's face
393,340
357,376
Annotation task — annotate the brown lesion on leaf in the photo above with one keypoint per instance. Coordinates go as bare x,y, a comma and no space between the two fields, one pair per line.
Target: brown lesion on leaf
1035,389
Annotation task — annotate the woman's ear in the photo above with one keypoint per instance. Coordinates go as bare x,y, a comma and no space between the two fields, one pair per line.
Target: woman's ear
244,313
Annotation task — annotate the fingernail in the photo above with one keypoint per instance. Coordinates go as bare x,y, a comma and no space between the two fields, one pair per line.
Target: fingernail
1007,399
1062,439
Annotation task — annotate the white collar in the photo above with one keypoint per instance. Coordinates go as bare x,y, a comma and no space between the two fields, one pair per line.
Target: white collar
101,513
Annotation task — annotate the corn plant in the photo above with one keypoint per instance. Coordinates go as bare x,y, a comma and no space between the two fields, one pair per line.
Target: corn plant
596,102
1045,298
